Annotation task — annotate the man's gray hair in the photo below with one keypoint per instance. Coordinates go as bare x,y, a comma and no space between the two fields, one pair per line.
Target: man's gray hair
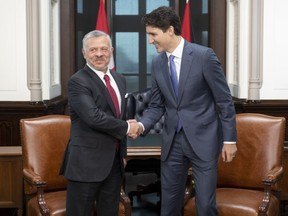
95,33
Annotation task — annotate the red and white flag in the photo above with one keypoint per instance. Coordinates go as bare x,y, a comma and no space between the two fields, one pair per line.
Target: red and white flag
102,25
186,23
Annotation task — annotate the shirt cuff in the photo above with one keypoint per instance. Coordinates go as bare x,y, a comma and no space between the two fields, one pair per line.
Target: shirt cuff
229,142
128,127
142,127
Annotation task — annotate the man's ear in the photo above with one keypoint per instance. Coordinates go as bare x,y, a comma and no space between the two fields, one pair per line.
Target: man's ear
83,52
170,30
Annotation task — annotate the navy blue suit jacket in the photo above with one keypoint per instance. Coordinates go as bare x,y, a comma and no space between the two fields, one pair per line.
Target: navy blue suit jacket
204,105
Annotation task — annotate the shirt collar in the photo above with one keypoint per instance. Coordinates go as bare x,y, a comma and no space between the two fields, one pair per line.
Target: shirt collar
178,51
100,73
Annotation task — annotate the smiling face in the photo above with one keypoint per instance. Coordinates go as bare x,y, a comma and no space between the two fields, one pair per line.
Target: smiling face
97,52
163,41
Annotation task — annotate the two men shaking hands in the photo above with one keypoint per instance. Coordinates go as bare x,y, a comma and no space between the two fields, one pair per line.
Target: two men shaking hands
135,128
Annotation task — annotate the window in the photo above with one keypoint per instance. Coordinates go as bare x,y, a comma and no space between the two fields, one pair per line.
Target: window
132,53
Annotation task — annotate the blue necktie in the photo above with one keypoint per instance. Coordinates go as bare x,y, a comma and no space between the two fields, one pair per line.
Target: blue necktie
173,74
174,80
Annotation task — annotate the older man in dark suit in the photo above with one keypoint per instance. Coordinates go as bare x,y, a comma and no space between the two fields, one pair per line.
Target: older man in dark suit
93,162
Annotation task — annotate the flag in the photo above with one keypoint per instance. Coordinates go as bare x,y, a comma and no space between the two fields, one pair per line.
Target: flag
102,25
186,25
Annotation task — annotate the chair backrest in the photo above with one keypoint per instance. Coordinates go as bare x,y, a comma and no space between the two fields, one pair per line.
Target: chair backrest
44,140
137,104
260,148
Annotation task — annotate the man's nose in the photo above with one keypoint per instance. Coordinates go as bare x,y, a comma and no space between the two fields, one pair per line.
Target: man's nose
150,40
98,52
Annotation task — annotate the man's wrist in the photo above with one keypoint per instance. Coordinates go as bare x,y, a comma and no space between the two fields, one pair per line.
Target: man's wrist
128,128
142,127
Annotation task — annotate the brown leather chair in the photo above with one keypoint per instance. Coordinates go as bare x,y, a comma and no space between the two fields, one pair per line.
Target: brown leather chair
247,186
44,141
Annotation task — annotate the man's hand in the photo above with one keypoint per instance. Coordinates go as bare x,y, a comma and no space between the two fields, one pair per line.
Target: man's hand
135,129
229,152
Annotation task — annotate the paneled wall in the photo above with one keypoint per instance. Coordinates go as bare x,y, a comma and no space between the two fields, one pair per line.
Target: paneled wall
12,112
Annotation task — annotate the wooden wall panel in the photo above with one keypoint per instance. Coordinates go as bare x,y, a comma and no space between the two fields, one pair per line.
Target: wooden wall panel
6,132
11,181
284,180
12,112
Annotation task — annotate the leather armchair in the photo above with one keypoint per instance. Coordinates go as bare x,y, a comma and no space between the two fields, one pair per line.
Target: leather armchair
248,185
44,141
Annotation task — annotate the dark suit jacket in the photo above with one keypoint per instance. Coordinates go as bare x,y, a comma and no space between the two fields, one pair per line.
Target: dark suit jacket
95,129
204,105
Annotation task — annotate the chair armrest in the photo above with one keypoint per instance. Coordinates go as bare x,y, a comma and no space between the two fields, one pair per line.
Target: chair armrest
35,180
273,176
270,179
124,199
189,190
32,178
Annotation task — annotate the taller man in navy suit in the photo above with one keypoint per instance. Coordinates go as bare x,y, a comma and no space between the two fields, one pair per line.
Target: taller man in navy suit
199,114
93,161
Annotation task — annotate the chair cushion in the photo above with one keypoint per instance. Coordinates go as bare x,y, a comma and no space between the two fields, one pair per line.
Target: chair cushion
55,201
233,201
237,202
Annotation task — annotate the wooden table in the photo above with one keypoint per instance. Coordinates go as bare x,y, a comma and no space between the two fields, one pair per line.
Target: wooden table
145,152
11,180
154,152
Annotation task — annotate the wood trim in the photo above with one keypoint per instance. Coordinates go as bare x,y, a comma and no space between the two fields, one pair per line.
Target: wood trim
146,152
67,23
217,31
10,151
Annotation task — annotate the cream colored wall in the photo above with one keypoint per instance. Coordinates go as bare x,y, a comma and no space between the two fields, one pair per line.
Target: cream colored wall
257,66
13,51
275,50
30,50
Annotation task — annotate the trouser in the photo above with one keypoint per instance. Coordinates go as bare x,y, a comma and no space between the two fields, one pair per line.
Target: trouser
174,172
81,196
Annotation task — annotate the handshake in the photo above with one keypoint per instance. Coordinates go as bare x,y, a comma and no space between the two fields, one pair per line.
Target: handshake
135,128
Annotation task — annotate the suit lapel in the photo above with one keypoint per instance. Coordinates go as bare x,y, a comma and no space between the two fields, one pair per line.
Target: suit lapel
101,86
121,88
166,73
186,64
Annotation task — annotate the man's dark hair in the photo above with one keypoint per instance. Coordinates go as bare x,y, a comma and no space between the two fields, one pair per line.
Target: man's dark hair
162,18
